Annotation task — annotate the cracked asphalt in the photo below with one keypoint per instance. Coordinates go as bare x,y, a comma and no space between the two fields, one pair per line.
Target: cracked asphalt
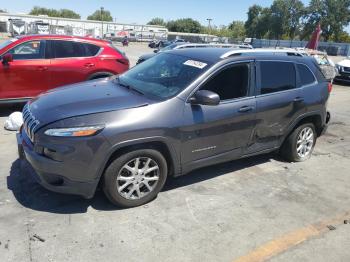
256,209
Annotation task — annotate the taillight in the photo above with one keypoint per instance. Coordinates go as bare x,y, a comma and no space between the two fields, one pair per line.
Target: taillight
330,87
123,61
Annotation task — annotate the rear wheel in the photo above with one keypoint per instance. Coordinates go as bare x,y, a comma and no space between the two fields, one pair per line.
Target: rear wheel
299,145
135,178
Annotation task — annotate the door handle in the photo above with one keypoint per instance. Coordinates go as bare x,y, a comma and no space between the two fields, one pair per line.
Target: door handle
42,68
298,99
88,65
244,109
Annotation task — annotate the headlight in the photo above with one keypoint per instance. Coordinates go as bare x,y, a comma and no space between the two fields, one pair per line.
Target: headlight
74,131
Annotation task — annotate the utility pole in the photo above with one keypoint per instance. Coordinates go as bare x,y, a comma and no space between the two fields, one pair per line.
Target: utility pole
101,22
209,23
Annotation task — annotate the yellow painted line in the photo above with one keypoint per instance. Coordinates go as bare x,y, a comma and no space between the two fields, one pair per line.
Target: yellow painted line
291,239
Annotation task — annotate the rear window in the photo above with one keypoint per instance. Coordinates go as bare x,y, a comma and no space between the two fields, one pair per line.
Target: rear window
306,76
64,49
277,76
91,50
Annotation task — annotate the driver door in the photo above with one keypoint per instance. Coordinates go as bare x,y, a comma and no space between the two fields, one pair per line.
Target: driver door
220,133
26,76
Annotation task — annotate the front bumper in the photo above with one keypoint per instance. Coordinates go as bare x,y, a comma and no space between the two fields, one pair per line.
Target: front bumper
342,77
50,173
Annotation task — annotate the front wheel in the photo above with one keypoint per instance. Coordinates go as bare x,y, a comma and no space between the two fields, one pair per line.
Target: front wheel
135,178
299,145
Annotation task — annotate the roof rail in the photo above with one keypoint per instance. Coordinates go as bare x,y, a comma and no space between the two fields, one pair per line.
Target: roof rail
289,52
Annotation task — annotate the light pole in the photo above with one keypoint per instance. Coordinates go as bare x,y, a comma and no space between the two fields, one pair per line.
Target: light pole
209,23
101,17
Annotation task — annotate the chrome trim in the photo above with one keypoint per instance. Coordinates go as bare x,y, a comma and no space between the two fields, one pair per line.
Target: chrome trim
30,123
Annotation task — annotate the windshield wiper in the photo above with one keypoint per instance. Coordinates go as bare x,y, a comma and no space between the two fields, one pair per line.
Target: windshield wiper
127,86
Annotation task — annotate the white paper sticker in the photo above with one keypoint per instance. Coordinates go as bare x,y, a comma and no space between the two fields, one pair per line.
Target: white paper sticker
197,64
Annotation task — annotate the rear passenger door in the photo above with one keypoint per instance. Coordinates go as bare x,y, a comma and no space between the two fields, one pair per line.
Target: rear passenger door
279,101
71,62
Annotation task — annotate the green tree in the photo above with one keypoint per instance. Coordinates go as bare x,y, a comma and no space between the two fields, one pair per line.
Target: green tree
65,13
185,25
258,22
100,15
286,18
157,21
237,29
333,15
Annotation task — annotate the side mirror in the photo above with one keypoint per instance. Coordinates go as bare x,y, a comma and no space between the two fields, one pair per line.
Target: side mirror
6,59
205,97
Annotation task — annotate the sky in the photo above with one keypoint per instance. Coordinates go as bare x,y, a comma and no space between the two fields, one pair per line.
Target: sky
222,12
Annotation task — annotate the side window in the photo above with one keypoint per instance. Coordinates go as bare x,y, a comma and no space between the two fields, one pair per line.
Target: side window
29,50
306,77
230,83
91,50
64,49
277,76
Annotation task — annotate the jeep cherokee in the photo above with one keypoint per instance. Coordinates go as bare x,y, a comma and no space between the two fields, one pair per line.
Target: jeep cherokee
176,112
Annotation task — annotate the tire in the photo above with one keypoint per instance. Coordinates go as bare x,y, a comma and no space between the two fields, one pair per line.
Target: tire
122,176
289,148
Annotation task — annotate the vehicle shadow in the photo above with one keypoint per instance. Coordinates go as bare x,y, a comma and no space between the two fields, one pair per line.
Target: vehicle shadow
31,195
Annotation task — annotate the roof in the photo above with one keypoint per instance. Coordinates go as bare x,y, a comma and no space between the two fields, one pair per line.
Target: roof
196,45
49,36
263,51
214,55
208,54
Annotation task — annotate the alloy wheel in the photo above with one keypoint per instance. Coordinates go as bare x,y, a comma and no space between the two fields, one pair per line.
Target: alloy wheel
138,178
305,142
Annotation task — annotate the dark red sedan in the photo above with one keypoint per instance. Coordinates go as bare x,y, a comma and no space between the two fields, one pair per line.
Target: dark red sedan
33,64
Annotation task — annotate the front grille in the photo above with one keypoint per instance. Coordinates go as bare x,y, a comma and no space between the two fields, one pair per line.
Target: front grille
30,124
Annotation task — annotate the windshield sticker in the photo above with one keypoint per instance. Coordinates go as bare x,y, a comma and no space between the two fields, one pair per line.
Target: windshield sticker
197,64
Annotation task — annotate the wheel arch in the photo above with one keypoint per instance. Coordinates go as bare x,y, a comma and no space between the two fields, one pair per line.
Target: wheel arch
154,143
100,74
315,118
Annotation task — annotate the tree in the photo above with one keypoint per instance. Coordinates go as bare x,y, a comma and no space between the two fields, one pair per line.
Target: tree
185,25
237,29
101,15
259,21
286,18
333,15
66,13
157,21
3,11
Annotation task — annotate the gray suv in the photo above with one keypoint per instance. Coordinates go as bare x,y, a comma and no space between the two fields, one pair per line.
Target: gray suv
176,112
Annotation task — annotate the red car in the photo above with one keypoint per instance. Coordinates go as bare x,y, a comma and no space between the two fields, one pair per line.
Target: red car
36,63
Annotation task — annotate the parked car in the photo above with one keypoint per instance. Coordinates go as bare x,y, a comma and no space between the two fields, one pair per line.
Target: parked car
37,63
159,43
176,112
343,74
181,45
179,40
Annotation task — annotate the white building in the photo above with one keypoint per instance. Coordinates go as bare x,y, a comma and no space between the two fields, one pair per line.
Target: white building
57,25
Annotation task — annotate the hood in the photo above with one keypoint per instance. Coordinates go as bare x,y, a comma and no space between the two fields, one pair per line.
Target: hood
90,97
345,62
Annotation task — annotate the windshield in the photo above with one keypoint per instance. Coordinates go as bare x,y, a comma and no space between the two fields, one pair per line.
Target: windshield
6,43
163,76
